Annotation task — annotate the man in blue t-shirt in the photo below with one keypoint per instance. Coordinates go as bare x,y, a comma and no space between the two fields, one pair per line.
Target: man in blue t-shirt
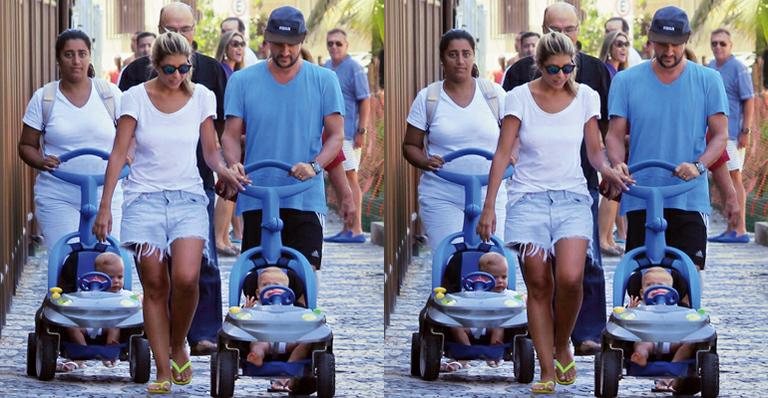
669,102
738,88
283,105
357,106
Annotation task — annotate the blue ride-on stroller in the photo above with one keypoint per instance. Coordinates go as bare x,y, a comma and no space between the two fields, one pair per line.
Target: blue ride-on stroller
661,320
78,297
462,296
276,320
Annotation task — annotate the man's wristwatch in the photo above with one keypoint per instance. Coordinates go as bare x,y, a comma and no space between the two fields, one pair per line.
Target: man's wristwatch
362,130
316,167
746,130
700,167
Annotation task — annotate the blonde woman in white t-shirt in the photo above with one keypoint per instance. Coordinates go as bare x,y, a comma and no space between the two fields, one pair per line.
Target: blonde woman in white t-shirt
548,208
164,213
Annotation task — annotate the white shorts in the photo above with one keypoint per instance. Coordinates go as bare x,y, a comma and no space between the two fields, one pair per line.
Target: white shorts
736,161
351,155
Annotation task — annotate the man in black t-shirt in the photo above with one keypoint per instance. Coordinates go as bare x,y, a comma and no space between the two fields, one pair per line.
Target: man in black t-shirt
562,17
178,17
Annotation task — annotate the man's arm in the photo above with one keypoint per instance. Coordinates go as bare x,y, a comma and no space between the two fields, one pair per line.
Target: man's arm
230,140
747,122
334,128
364,115
718,129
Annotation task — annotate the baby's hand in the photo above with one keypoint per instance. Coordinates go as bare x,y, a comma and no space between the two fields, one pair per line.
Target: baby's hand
250,301
634,301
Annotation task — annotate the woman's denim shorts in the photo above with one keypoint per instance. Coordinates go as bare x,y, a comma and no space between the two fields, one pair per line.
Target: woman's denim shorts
153,220
536,221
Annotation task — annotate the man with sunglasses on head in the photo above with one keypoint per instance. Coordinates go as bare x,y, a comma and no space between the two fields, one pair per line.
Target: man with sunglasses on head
303,99
738,87
179,17
563,17
357,105
670,103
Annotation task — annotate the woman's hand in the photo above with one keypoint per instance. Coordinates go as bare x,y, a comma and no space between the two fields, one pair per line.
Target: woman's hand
233,179
617,179
487,224
433,163
103,224
50,163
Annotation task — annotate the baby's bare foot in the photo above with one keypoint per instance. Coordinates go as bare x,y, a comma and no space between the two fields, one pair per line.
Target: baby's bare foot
639,358
255,359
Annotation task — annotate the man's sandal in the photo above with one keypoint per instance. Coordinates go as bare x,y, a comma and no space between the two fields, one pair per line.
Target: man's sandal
562,371
543,387
177,376
159,387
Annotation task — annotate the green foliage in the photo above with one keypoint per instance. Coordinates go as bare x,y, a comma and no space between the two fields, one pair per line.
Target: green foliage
592,29
207,31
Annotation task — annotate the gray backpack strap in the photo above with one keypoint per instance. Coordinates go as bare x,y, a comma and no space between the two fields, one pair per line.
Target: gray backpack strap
433,99
107,97
491,97
48,100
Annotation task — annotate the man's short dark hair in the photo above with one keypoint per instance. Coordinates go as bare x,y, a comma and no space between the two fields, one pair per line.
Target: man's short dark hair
624,24
145,34
526,35
240,24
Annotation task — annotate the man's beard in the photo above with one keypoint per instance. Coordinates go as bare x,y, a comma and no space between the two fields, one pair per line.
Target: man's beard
293,62
677,62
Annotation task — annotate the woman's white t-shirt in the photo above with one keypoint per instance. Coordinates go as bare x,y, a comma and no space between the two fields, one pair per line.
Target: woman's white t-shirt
166,143
454,128
70,128
550,143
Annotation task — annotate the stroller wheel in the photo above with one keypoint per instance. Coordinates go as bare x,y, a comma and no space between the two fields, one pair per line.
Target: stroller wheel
610,373
139,359
709,371
46,353
31,350
326,375
415,348
430,353
523,360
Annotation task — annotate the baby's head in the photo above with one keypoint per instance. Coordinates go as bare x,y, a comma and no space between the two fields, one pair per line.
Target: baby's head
496,265
271,276
112,265
655,276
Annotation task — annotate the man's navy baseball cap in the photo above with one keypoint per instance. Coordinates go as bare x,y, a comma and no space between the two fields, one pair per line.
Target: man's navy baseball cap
285,25
669,25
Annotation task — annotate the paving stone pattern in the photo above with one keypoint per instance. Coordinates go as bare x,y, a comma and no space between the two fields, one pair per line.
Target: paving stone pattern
734,291
351,285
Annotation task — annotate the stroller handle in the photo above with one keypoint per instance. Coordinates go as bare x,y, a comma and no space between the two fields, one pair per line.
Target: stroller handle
78,178
667,191
282,191
464,179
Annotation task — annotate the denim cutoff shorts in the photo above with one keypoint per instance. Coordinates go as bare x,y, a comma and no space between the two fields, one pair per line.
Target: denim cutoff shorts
536,221
153,220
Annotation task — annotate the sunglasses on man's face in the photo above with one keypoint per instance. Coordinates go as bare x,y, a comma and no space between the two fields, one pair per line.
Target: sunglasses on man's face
170,69
554,69
719,43
335,43
237,44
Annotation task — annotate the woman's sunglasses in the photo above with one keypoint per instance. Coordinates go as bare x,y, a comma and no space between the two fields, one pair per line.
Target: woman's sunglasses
554,69
237,44
170,69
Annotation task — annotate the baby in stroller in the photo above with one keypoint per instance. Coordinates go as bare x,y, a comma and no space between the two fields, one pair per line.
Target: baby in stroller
272,276
496,265
112,265
643,350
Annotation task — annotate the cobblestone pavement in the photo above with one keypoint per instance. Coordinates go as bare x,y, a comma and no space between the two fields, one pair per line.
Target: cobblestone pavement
734,292
351,285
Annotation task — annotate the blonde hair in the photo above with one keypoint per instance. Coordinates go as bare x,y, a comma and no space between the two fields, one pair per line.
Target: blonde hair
277,272
106,258
171,43
605,49
221,50
552,44
658,271
489,258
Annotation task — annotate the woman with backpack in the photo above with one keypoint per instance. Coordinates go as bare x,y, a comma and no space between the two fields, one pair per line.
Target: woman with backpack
459,112
72,113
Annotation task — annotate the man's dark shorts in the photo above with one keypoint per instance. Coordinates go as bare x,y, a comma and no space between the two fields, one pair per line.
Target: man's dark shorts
302,231
686,231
